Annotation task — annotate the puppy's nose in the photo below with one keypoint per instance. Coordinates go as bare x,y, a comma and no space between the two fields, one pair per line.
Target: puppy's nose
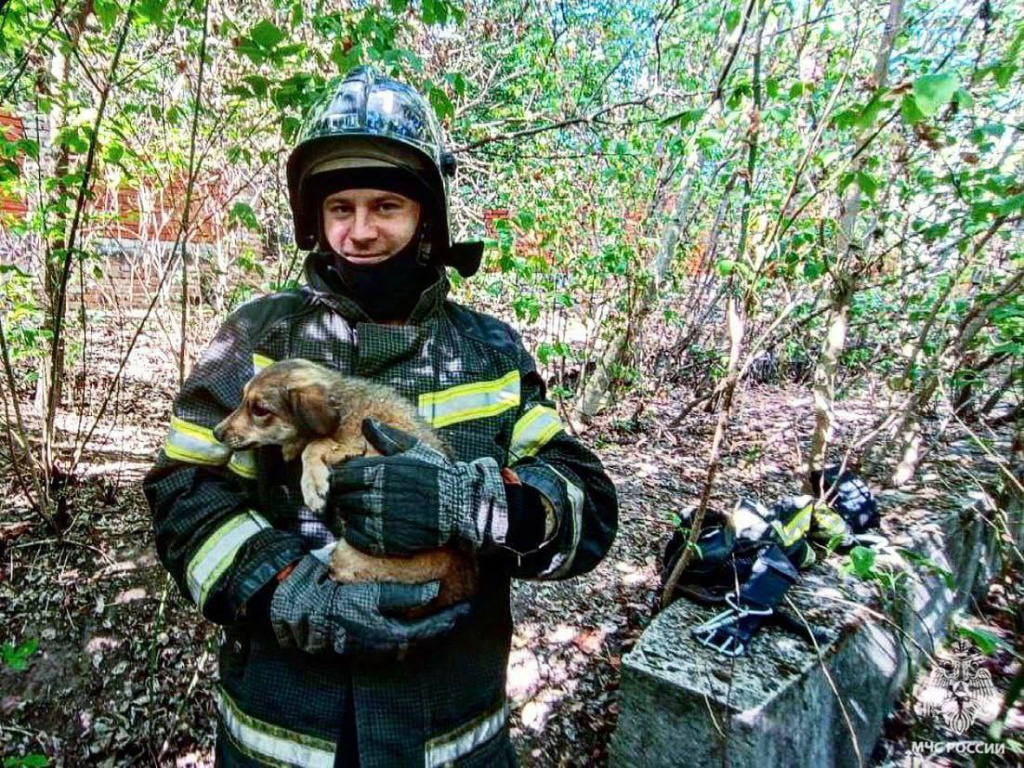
218,433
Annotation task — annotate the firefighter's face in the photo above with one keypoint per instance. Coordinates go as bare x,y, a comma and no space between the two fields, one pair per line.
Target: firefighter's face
369,226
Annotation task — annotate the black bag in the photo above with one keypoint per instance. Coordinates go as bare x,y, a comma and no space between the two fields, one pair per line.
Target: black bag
849,496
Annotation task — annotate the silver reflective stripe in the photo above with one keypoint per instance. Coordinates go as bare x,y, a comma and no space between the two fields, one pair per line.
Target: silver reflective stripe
218,551
194,444
243,463
532,432
563,562
272,743
451,746
259,362
477,400
324,553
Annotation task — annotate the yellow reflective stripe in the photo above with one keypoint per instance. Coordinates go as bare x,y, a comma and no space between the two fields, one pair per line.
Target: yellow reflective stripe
243,463
533,431
829,521
194,444
462,741
203,433
259,362
469,389
795,529
271,744
218,552
464,402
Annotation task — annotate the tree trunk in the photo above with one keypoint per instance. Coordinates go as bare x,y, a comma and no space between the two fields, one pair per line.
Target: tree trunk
594,393
824,386
56,74
950,360
846,275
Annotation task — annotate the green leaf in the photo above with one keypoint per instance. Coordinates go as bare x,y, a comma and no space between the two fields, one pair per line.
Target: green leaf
867,184
862,560
73,139
685,118
989,130
732,19
813,269
31,760
239,90
867,117
985,641
17,656
258,83
266,34
13,269
399,6
242,213
909,110
458,82
106,11
544,352
934,91
1011,204
114,153
441,103
29,146
963,98
430,11
152,10
1003,74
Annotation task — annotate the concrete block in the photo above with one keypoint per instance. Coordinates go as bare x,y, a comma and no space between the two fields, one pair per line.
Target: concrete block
789,703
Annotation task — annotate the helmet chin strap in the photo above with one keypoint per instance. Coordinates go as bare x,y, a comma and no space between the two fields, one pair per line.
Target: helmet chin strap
425,249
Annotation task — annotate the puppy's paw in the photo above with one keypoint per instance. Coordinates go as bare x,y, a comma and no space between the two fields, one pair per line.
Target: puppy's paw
315,485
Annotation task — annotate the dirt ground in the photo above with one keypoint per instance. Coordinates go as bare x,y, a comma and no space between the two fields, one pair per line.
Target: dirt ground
124,667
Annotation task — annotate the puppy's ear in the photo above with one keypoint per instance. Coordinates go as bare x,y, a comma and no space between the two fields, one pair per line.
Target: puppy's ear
313,410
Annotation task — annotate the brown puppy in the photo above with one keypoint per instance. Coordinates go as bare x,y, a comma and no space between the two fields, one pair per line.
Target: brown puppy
311,410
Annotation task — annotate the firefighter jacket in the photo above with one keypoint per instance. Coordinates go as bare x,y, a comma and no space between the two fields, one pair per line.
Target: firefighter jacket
227,523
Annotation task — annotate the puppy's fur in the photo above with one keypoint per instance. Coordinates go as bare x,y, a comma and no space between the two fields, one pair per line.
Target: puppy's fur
311,410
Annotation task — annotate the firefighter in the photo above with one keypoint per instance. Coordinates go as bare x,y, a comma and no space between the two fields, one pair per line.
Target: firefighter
316,673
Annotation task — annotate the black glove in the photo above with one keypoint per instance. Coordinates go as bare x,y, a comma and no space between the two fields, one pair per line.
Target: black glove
730,632
312,613
413,497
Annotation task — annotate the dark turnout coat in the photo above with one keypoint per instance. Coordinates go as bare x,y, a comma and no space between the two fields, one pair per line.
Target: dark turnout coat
226,523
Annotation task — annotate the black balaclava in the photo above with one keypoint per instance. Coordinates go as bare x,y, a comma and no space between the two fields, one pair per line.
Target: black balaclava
387,291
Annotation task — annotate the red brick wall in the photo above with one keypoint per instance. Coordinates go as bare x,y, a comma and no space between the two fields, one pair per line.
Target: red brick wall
12,209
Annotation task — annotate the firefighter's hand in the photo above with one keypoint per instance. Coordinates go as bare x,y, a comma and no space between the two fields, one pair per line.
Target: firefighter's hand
412,497
314,614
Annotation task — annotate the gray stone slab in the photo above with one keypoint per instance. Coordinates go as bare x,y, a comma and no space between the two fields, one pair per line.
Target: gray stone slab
789,703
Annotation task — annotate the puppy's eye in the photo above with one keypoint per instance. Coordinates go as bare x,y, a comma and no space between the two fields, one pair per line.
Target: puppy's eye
259,410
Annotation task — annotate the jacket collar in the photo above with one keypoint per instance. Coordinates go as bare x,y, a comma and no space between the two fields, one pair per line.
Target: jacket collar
324,286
